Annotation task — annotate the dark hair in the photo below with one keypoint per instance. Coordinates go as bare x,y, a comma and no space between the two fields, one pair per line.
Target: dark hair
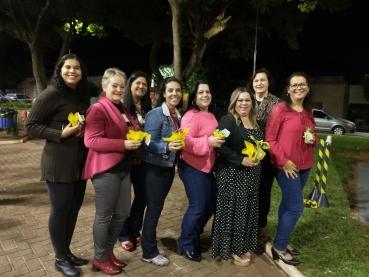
82,85
128,98
250,87
193,93
162,89
285,96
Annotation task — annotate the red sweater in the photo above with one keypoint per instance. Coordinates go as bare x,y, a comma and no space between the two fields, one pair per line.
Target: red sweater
284,132
105,133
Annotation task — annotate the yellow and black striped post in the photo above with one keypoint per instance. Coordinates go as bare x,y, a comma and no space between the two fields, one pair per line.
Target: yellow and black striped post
322,200
314,195
317,197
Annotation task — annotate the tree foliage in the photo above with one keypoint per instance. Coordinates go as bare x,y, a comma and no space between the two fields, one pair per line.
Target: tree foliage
233,21
25,20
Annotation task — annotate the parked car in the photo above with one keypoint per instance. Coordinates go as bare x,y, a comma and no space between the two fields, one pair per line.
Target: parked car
3,99
325,122
18,97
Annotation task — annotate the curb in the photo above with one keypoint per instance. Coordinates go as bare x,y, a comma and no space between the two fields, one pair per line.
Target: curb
290,270
14,141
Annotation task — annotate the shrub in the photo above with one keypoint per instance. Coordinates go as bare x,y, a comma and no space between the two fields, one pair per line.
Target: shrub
16,105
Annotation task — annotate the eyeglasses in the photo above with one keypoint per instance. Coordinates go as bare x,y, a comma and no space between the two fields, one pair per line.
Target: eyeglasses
302,85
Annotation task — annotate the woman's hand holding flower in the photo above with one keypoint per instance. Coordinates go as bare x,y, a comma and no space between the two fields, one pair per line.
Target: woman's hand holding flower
216,141
249,163
69,130
131,144
174,145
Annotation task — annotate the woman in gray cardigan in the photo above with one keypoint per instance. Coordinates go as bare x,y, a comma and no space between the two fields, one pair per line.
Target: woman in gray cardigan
64,154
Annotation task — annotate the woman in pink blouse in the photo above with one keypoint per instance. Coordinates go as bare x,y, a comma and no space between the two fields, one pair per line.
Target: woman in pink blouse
292,157
195,168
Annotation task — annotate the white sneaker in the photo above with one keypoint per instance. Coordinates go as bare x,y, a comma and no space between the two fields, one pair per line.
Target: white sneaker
159,260
162,252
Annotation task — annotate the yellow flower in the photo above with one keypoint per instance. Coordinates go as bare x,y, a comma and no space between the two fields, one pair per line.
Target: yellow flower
218,133
73,119
255,152
178,135
139,136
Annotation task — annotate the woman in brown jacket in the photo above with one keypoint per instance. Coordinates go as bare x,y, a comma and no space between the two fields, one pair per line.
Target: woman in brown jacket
64,154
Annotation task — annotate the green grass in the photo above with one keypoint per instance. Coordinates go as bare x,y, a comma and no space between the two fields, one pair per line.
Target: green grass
331,241
16,105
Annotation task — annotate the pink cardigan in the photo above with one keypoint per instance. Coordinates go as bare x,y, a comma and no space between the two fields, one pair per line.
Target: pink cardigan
284,132
197,151
105,133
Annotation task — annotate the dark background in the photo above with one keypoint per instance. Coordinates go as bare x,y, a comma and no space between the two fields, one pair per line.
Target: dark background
331,44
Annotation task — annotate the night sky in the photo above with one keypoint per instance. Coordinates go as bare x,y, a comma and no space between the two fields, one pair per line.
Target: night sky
330,44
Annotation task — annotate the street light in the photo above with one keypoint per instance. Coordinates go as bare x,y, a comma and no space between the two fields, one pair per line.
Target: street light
256,38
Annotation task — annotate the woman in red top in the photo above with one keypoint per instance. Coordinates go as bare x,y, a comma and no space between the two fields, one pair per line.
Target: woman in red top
292,157
108,165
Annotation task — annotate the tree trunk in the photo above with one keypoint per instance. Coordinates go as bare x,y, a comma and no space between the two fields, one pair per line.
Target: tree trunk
67,43
38,68
176,29
195,59
153,60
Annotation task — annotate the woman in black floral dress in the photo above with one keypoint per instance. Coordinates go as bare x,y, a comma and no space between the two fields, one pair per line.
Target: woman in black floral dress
238,176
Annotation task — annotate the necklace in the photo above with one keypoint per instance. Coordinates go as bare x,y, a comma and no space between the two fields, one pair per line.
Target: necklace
138,104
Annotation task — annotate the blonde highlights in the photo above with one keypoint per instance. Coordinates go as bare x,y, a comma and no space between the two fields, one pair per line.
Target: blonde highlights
232,107
110,72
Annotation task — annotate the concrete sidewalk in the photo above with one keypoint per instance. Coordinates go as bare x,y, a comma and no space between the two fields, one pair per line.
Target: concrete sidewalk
26,250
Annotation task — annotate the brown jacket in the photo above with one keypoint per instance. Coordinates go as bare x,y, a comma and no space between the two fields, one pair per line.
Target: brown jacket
62,159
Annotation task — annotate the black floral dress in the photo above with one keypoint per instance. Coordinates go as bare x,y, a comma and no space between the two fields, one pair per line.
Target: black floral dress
235,224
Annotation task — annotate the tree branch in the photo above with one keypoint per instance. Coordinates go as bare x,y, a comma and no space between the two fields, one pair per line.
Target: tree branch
20,32
190,25
153,59
39,19
220,14
217,28
26,19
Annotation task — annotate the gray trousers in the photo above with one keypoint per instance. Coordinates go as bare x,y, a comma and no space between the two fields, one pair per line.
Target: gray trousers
113,205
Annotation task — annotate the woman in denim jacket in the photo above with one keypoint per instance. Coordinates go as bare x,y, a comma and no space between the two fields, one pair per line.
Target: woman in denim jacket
158,164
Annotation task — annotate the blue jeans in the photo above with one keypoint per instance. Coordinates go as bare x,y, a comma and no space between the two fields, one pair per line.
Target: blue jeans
133,224
201,193
291,206
158,181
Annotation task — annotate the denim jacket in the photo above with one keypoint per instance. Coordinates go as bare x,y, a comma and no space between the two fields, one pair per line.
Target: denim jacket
159,124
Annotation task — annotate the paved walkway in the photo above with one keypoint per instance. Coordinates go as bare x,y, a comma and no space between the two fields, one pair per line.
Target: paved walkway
26,250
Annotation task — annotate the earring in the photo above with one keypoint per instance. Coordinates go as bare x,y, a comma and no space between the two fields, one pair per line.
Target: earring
193,104
288,94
